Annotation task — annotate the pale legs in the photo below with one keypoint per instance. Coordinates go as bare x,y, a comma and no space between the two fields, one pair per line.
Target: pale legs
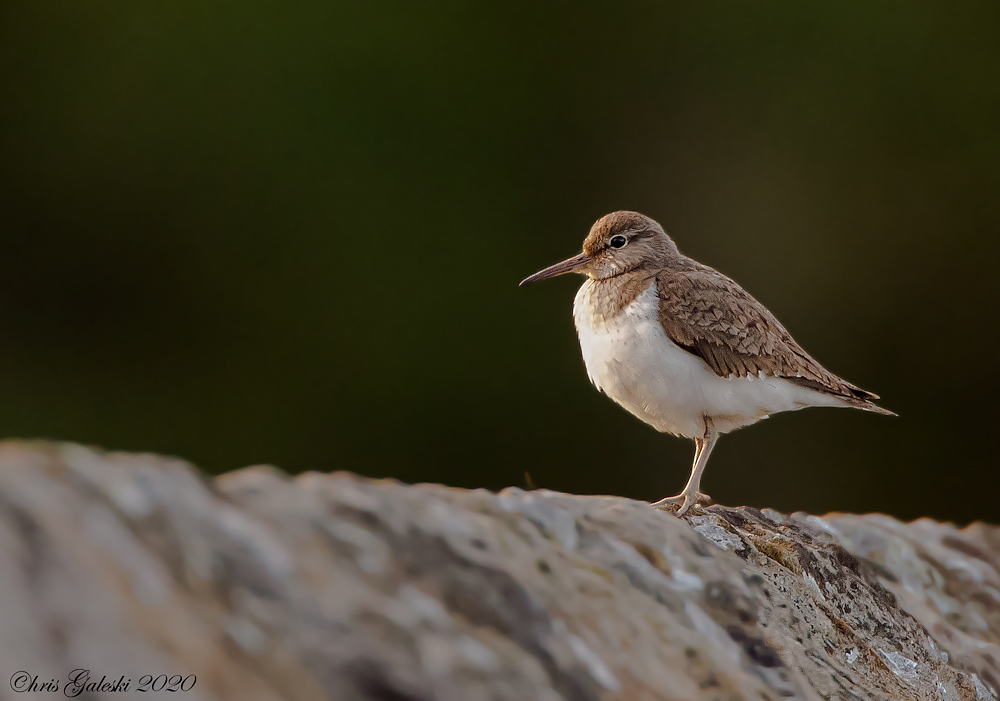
691,494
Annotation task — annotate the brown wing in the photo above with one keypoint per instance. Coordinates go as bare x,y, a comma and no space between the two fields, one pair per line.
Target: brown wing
709,315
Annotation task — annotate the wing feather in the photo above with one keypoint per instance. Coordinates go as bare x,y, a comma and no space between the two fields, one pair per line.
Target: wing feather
712,317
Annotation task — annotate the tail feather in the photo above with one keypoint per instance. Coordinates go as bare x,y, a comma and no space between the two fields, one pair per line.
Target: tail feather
861,393
849,394
866,405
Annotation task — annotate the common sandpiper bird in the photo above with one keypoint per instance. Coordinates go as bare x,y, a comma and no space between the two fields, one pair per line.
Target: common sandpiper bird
683,347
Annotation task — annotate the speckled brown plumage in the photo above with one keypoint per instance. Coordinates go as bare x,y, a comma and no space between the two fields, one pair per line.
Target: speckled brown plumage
608,301
708,314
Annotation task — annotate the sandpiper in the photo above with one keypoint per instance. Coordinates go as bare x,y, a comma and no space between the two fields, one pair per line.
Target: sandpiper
683,347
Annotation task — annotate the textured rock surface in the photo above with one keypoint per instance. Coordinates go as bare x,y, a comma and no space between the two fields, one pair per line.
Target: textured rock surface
336,587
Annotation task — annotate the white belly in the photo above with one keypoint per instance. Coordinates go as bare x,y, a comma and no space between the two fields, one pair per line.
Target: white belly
631,358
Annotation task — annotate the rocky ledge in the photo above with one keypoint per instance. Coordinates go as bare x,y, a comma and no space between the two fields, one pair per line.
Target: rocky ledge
330,586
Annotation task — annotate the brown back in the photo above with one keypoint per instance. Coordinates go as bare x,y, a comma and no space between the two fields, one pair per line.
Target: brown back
709,315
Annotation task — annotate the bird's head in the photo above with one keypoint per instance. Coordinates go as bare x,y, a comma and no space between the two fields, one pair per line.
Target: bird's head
618,243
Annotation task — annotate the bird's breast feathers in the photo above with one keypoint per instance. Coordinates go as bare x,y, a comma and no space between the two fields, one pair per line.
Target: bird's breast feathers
630,357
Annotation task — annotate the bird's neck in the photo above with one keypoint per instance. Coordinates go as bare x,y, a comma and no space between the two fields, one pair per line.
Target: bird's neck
604,299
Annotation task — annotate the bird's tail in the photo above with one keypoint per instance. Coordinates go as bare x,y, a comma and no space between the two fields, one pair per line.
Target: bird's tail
850,395
865,403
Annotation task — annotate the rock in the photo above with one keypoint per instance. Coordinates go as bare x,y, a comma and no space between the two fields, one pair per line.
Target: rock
338,587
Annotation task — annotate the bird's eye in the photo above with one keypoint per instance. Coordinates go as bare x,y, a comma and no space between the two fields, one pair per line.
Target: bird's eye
617,241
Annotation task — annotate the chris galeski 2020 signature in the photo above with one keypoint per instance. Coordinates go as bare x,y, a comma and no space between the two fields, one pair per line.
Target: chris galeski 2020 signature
81,681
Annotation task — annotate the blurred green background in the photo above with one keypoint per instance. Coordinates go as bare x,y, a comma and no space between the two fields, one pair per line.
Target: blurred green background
246,232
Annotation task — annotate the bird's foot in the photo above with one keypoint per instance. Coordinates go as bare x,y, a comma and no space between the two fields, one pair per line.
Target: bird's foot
684,500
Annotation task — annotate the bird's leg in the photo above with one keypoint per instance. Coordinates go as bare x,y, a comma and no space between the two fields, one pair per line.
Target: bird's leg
691,494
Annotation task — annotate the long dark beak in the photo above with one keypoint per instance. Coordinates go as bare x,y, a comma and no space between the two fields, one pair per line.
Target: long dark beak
572,265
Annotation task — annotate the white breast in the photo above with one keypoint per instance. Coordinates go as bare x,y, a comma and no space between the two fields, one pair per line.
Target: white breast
631,358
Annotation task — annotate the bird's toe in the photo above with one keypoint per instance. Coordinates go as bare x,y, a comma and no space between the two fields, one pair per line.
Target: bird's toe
682,502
